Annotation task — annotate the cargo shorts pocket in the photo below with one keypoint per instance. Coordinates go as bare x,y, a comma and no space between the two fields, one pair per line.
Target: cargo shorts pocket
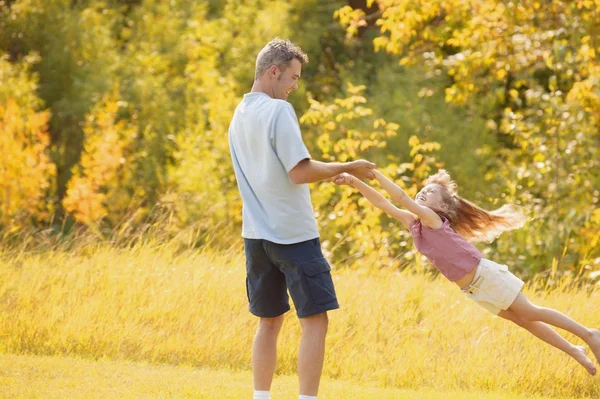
318,279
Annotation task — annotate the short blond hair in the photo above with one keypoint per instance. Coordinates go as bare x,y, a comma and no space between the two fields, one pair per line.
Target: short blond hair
279,52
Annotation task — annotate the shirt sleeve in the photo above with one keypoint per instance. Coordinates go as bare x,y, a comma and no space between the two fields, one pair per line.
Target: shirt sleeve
287,138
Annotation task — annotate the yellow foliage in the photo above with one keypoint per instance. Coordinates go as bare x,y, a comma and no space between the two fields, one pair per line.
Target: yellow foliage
25,168
96,189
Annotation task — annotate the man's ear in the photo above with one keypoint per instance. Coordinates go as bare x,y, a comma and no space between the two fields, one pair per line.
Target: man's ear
273,70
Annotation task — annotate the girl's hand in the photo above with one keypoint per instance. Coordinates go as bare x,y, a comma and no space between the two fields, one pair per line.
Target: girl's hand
343,179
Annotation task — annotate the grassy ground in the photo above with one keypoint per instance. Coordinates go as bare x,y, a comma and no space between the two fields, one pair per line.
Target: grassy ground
63,377
153,303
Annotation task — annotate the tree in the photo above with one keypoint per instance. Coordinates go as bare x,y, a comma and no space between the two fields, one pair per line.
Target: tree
531,69
26,171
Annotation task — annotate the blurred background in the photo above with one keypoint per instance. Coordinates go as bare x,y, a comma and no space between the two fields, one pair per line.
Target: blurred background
114,118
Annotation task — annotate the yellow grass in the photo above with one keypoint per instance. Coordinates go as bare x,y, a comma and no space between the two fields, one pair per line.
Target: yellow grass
156,304
62,377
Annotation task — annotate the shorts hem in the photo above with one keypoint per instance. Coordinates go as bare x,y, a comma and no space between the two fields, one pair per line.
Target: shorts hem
323,309
516,295
269,315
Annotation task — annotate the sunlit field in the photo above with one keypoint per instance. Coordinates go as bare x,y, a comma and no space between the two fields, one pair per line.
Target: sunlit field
66,377
185,310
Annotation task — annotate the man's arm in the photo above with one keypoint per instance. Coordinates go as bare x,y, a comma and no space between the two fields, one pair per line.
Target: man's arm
309,171
293,154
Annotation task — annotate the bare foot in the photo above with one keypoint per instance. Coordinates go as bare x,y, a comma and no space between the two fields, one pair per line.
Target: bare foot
594,344
580,356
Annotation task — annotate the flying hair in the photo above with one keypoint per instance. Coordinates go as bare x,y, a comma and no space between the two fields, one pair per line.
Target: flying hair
470,220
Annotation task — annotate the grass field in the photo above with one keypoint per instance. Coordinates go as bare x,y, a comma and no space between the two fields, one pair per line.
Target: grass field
63,377
152,312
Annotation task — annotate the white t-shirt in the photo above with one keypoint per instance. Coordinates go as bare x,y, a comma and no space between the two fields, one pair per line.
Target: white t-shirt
266,143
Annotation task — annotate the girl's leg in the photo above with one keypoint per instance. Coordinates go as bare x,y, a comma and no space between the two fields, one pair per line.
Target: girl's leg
547,334
530,312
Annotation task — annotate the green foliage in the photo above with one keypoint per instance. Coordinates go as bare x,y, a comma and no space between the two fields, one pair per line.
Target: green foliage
346,129
77,58
530,69
201,185
126,105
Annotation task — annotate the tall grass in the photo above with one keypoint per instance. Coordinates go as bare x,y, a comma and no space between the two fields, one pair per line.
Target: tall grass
155,302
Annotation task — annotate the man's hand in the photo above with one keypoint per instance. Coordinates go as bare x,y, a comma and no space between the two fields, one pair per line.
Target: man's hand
309,171
362,169
342,179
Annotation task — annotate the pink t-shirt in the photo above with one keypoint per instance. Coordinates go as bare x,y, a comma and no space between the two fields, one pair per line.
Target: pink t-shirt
449,252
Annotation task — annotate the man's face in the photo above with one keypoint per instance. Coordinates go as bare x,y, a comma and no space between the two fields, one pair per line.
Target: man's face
284,82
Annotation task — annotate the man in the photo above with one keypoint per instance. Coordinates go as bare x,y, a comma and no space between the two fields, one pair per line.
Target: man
272,167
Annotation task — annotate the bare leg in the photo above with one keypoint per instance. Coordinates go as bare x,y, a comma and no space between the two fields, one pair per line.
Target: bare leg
264,352
548,335
312,352
528,311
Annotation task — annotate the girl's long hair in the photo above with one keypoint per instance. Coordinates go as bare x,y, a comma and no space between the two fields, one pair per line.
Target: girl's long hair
468,219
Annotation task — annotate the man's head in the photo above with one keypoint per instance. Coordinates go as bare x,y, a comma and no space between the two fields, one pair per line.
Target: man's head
278,67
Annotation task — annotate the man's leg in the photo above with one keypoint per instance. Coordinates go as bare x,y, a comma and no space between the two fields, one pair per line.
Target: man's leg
308,278
264,352
312,352
268,299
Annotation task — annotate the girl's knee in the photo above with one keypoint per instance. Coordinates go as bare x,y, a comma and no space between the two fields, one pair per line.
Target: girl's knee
532,313
514,317
520,321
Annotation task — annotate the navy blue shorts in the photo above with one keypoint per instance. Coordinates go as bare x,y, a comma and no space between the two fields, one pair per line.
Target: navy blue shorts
273,269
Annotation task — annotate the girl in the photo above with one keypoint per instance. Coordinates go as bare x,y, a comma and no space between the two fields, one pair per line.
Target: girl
439,220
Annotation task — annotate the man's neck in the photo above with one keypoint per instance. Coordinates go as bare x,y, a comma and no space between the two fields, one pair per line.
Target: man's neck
258,87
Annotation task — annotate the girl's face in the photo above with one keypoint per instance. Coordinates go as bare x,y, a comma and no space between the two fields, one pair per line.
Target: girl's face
431,197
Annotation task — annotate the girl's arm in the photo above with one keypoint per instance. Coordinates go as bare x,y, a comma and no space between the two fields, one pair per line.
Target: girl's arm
427,215
406,218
